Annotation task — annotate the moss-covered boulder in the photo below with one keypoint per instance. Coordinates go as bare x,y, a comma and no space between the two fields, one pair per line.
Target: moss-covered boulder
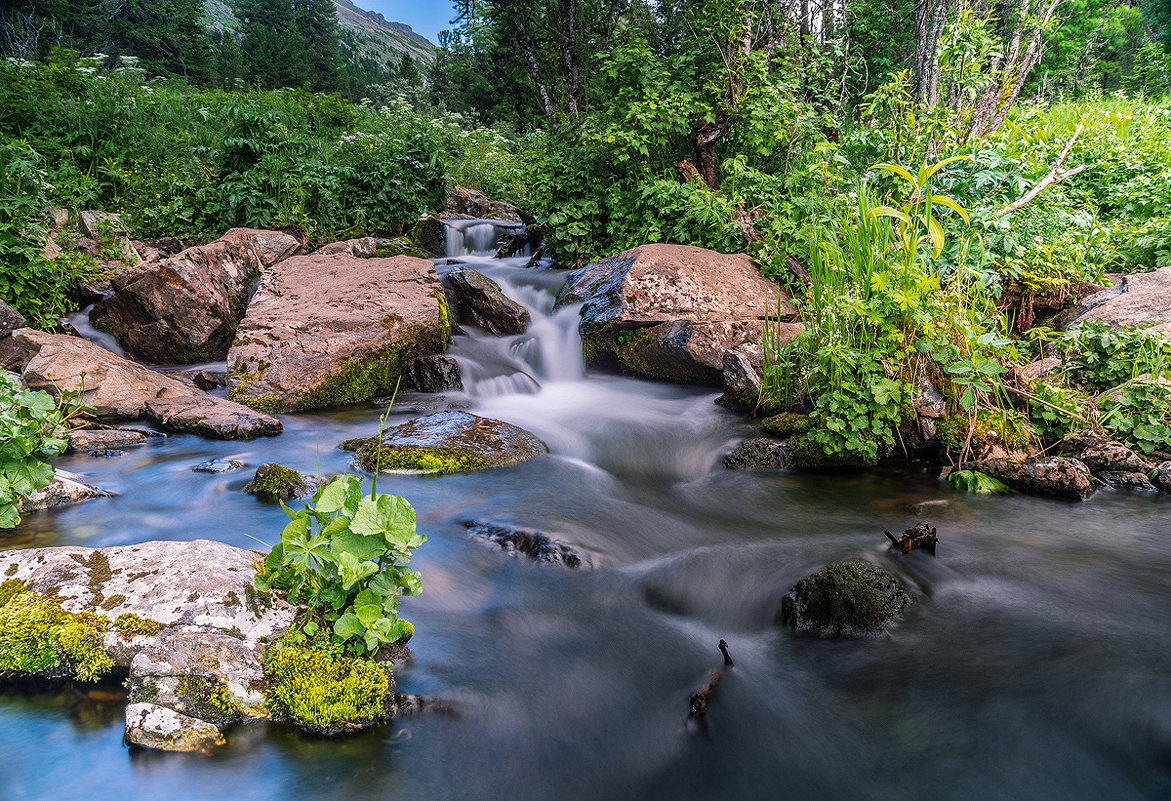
447,442
758,453
853,597
786,424
277,482
330,329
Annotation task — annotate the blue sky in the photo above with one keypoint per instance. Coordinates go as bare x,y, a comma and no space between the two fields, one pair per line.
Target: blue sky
426,17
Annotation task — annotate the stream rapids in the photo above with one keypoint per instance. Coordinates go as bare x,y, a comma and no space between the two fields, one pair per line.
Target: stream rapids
1036,663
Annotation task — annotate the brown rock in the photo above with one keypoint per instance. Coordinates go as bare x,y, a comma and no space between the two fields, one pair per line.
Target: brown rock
331,330
1055,476
1145,298
480,302
472,205
185,308
119,389
672,311
10,319
88,440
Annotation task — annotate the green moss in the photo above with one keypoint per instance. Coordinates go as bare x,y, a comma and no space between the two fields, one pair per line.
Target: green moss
850,597
233,599
144,692
265,404
1010,431
635,349
39,638
256,601
206,698
322,690
129,624
10,588
113,601
786,424
413,457
11,571
275,481
807,454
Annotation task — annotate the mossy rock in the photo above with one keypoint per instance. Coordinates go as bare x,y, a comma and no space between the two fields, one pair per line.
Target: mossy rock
320,690
277,482
804,453
786,424
446,442
853,597
39,638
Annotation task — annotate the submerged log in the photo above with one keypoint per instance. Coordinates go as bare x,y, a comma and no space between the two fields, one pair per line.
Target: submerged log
921,536
697,714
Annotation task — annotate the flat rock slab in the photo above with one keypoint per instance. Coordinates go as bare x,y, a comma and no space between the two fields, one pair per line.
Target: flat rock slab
334,329
447,442
670,312
1143,299
185,308
119,389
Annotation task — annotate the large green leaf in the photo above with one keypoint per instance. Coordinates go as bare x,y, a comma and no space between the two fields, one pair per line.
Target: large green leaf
352,569
360,545
333,497
347,626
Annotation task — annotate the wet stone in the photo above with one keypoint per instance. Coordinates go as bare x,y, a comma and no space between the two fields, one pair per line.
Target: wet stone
218,466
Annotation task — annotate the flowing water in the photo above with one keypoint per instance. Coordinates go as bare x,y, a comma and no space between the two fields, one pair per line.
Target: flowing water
1035,665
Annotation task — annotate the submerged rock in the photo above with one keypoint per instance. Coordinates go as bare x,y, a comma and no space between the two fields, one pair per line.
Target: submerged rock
758,453
119,389
1054,476
671,312
447,442
480,302
846,598
186,308
218,466
538,546
328,330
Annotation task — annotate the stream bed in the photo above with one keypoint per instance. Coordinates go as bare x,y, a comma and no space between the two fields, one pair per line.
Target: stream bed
1035,665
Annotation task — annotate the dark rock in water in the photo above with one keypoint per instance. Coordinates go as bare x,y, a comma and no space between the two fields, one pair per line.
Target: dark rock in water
480,302
447,442
534,544
419,403
275,481
10,319
741,383
1055,476
671,312
758,453
436,373
1122,480
200,379
1162,477
846,598
218,466
921,535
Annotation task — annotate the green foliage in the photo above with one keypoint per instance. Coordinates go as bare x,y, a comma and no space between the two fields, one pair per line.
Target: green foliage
1100,357
1056,411
313,683
33,429
977,482
39,638
1139,414
346,555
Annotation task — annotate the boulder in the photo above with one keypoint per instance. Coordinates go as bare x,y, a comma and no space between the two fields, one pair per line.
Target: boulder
436,373
1142,298
1054,476
480,302
447,442
671,312
183,617
65,489
535,545
786,424
186,308
119,389
853,597
96,225
1123,480
1106,455
468,204
758,453
332,330
741,382
10,319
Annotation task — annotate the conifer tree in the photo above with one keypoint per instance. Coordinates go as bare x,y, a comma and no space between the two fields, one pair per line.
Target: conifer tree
318,26
273,49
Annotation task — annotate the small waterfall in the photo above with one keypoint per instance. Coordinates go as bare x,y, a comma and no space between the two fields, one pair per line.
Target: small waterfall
476,237
79,321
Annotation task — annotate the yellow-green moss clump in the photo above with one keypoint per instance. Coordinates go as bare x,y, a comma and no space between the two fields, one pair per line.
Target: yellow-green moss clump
319,689
427,459
276,481
207,698
786,424
1011,433
39,638
129,624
